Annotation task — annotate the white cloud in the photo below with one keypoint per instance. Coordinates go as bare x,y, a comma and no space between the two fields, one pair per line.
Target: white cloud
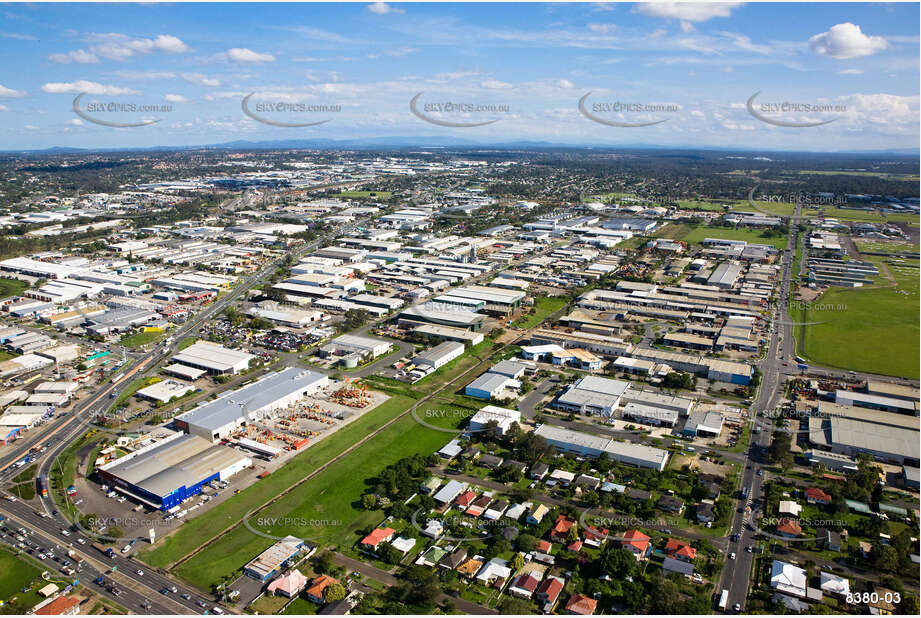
146,74
4,108
688,11
75,122
382,8
850,72
564,83
85,86
495,84
115,46
601,28
175,98
17,35
10,93
843,41
201,80
248,56
80,56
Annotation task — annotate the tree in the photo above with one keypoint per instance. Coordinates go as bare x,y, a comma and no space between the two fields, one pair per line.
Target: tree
334,592
516,607
389,554
663,597
517,562
618,562
323,563
525,542
369,502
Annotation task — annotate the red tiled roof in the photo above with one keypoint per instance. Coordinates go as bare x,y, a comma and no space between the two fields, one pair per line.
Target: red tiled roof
581,604
551,588
817,494
378,535
789,526
575,546
674,547
563,524
636,539
57,607
465,498
543,546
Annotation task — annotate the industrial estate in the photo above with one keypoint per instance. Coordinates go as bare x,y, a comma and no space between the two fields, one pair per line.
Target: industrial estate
293,380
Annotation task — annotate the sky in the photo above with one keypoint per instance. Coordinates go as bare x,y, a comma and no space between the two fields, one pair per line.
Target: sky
763,76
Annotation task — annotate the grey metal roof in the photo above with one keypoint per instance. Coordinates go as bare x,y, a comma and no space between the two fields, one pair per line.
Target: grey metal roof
252,397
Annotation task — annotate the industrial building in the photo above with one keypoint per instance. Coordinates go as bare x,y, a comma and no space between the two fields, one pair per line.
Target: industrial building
876,402
162,392
214,358
274,560
215,420
441,314
703,423
365,347
849,437
440,355
503,417
637,455
491,386
592,395
168,472
449,333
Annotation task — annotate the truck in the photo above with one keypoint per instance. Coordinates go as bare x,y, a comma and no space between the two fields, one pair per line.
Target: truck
75,557
802,366
108,551
43,485
724,599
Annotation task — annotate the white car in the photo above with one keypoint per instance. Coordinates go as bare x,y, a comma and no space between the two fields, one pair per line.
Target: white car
65,532
140,573
81,540
732,556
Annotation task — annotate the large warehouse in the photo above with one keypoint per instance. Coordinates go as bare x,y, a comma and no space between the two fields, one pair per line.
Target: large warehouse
217,419
164,474
850,437
214,358
592,395
638,455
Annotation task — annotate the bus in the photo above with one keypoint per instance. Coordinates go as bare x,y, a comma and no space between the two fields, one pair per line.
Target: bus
43,485
724,599
799,359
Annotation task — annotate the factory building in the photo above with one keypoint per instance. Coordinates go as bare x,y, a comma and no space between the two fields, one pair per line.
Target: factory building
215,420
440,355
168,472
214,358
587,445
592,395
849,437
503,417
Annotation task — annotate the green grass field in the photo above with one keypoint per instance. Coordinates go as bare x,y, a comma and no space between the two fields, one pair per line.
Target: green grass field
877,332
701,205
12,287
544,307
327,509
885,246
199,531
15,574
381,195
140,339
780,209
696,235
887,175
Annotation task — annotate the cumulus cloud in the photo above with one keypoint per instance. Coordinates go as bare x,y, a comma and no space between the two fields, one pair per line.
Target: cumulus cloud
85,86
116,46
382,8
850,72
843,41
248,56
10,93
175,98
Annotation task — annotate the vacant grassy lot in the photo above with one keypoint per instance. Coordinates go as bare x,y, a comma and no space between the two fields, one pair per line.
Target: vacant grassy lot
199,531
12,287
905,177
692,234
699,205
877,332
780,209
381,195
140,339
15,574
327,509
885,246
544,307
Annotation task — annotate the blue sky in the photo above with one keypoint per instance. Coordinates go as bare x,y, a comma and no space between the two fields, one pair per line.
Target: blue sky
530,64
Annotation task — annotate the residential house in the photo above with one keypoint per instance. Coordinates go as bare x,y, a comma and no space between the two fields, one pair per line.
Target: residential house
789,528
289,585
539,471
637,543
581,605
454,559
671,504
537,514
680,550
524,586
317,590
548,592
704,512
817,496
561,528
375,538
